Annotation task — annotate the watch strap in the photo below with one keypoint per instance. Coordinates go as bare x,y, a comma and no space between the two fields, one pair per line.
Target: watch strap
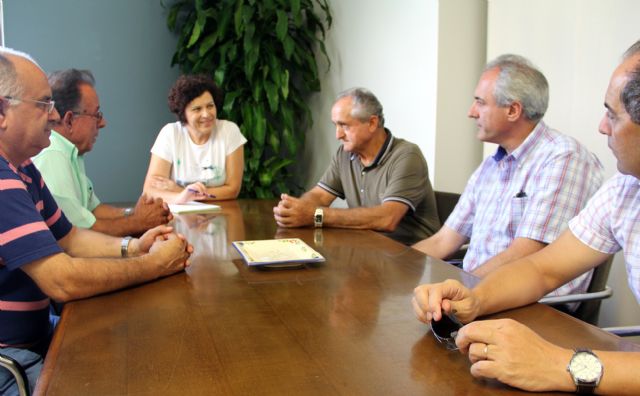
124,246
583,387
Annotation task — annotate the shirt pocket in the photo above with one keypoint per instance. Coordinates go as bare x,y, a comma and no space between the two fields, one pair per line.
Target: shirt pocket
517,208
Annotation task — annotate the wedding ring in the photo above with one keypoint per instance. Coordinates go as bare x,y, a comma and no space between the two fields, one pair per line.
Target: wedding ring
486,351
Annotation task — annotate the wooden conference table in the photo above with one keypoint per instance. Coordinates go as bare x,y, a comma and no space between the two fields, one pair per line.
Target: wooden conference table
345,327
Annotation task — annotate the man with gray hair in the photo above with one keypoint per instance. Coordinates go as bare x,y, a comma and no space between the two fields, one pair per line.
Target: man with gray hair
521,198
62,163
384,179
513,353
42,256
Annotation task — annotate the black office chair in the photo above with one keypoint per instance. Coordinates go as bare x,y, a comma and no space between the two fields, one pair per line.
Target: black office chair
18,372
590,301
445,203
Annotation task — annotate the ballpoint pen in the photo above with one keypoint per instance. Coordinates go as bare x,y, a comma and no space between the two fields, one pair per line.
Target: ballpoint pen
201,193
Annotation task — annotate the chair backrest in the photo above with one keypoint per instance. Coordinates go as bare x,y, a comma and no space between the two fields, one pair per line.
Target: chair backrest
18,372
590,301
445,202
589,311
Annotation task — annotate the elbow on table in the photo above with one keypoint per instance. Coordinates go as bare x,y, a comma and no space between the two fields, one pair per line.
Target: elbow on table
388,224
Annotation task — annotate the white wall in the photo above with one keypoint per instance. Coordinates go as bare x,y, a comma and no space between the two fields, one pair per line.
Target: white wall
412,55
577,44
387,47
462,34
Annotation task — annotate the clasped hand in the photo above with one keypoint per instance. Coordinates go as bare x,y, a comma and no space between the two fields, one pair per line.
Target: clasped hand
293,212
501,349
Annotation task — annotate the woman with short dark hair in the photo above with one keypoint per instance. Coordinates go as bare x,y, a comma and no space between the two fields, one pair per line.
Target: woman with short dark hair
199,157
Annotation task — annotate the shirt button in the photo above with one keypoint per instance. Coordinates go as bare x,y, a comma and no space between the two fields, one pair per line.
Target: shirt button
362,190
362,173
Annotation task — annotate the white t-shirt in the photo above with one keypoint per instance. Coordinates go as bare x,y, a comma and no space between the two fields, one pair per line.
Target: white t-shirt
192,163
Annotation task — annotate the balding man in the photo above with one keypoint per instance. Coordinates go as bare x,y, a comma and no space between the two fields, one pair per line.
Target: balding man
42,256
384,179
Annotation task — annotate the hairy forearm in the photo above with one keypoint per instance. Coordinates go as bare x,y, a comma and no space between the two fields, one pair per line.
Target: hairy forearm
510,286
104,211
519,248
441,245
82,277
375,218
119,226
87,243
618,379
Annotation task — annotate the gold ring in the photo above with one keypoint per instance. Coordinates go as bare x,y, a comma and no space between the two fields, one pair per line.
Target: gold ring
486,351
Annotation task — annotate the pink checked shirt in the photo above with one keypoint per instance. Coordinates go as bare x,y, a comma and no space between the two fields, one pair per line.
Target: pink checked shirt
611,221
531,193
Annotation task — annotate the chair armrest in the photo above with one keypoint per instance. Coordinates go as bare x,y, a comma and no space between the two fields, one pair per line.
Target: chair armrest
624,331
18,372
570,298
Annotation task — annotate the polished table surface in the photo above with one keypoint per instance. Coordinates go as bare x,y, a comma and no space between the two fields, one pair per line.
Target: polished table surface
344,327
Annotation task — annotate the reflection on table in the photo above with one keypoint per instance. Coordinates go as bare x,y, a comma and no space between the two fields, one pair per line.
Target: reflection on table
342,327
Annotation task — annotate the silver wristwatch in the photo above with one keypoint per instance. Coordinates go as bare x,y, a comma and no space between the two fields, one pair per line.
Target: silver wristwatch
318,218
586,370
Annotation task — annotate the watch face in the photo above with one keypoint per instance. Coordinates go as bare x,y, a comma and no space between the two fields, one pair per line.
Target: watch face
585,367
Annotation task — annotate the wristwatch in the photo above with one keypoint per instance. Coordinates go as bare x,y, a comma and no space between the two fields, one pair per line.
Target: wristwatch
318,217
124,246
586,370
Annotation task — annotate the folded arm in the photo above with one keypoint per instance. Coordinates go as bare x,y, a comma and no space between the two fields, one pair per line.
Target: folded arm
65,278
442,244
298,212
147,213
519,248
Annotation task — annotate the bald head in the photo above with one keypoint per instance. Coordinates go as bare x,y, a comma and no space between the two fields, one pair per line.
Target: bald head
10,62
25,107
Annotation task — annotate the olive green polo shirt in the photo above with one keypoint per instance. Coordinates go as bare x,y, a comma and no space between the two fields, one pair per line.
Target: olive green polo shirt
64,174
399,173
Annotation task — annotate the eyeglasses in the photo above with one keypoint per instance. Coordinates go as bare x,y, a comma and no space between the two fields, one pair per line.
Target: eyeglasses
47,105
445,330
98,116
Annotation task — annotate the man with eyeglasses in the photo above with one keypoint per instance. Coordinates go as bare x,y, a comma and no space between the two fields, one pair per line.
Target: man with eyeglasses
42,256
510,352
62,163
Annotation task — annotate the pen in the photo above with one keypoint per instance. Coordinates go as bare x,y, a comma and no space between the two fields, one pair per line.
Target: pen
201,193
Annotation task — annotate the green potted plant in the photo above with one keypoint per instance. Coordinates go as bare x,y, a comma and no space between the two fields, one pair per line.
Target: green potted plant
262,54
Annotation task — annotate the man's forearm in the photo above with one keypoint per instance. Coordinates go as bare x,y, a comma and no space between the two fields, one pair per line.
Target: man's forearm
520,247
82,242
510,286
119,226
378,218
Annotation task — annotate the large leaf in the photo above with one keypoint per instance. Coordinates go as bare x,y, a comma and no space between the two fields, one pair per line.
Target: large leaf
282,25
197,29
262,54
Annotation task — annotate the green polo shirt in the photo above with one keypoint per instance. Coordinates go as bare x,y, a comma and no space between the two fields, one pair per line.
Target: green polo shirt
398,173
63,172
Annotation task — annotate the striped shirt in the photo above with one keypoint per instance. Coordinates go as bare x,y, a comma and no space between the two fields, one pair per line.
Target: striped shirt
30,224
531,193
611,221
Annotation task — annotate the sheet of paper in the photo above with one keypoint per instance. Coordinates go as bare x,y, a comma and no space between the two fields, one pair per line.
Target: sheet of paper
273,251
193,207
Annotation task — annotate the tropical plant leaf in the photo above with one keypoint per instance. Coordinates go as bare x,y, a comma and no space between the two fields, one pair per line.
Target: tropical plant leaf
262,55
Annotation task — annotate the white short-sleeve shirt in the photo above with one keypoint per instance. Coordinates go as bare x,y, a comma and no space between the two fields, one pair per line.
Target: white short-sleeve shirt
191,162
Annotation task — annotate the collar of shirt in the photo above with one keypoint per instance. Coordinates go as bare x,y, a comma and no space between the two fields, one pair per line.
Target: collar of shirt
64,144
384,150
525,147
